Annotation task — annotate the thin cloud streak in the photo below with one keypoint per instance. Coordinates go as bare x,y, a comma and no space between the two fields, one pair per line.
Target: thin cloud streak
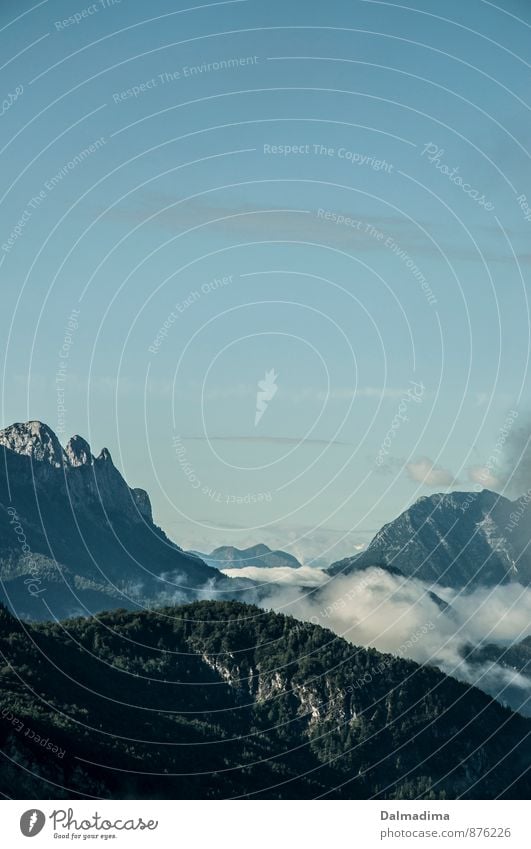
267,440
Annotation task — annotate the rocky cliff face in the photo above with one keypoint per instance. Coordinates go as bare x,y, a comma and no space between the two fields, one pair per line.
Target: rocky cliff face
461,539
78,453
35,440
87,480
74,537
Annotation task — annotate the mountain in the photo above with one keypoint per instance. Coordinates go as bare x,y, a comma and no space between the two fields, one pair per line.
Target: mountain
218,700
515,661
517,656
75,538
459,539
228,557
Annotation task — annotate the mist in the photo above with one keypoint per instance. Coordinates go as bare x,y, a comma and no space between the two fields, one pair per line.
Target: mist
305,576
431,625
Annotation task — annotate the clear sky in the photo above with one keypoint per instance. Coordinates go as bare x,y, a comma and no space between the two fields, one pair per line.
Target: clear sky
327,198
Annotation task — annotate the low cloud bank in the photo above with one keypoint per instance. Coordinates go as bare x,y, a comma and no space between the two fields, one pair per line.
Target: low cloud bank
392,614
305,576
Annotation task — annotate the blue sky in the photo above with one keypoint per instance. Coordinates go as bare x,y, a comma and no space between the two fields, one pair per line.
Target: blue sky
335,193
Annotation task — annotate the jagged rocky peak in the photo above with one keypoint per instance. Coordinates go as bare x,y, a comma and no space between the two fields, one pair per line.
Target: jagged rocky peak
78,452
104,456
34,439
90,480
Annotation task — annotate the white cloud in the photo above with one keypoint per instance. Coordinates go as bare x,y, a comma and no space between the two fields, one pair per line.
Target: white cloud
399,616
346,393
266,440
427,472
306,576
485,477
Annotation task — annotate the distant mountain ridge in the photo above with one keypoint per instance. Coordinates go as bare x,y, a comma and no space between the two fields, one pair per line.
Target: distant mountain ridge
75,538
459,539
229,557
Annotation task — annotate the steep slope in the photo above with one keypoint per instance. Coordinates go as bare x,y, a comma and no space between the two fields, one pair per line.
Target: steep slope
74,537
229,557
216,700
461,539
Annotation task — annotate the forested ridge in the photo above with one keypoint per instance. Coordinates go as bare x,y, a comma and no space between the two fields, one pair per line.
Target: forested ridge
222,699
